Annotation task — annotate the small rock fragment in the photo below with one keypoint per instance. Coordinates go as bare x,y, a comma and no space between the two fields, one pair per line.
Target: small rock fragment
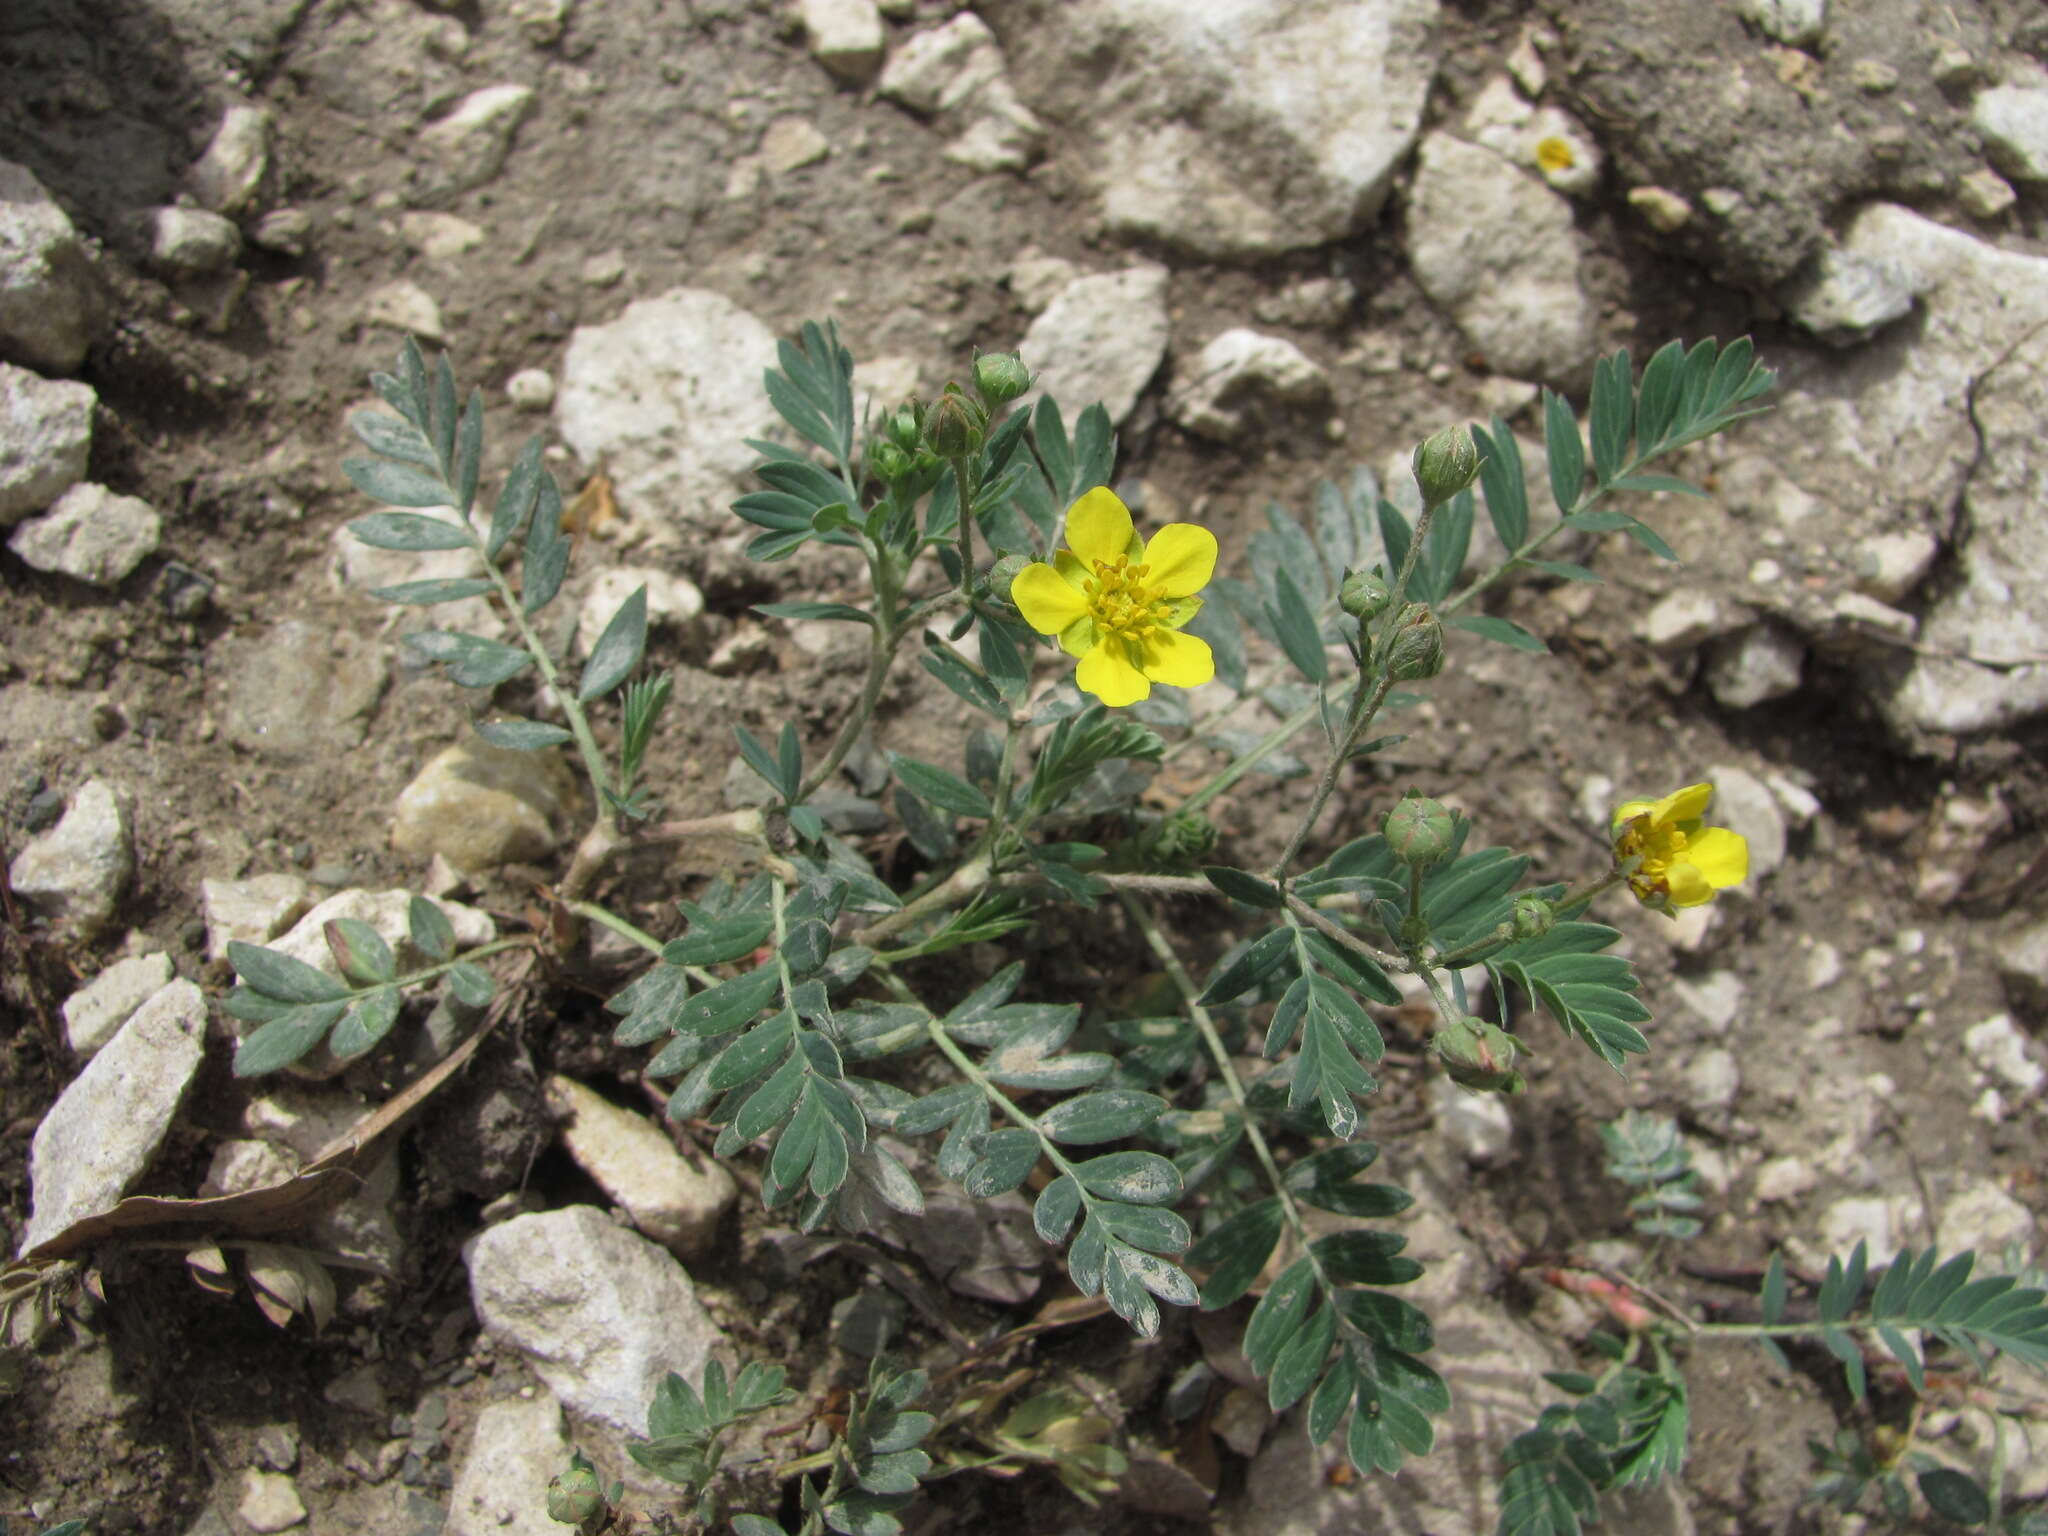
2013,120
1984,1217
791,143
50,300
1684,619
1757,665
1795,23
277,1447
2002,1051
226,178
479,806
516,1448
77,872
541,22
1845,297
2023,967
190,242
270,1502
104,1129
300,690
1715,998
1664,211
1233,375
468,147
45,437
1986,195
634,1161
95,1011
1784,1178
284,231
1101,339
439,236
531,389
846,37
1475,1125
404,306
252,911
604,270
1712,1080
91,535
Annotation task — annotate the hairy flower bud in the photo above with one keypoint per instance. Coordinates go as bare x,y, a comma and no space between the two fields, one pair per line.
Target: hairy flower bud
1000,377
1415,650
576,1495
954,424
1002,573
1364,594
1478,1054
1446,464
1534,917
1420,831
1185,835
889,461
905,426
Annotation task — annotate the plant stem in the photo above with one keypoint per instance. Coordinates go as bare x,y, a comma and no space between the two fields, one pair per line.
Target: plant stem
963,883
963,481
1363,708
1239,766
639,936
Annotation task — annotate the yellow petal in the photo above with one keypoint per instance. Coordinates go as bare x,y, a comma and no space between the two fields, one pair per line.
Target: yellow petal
1721,856
1107,673
1071,570
1687,887
1078,638
1687,804
1099,526
1180,610
1047,601
1182,558
1185,661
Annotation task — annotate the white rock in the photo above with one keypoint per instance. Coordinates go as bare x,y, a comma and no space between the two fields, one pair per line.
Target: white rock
1663,210
1496,250
2023,966
1845,298
77,872
91,535
1880,1222
1036,279
673,602
1745,804
1102,339
1234,375
516,1449
1795,23
270,1502
190,242
1712,1080
104,1129
1002,133
252,911
1801,805
531,389
941,67
439,236
479,806
846,37
541,22
404,306
1685,619
1986,195
1761,663
2014,122
1477,1126
286,231
1984,1217
45,435
664,396
1241,129
468,147
1784,1178
50,300
600,1313
634,1161
791,143
228,175
1891,565
2001,1050
1855,620
103,1005
1716,998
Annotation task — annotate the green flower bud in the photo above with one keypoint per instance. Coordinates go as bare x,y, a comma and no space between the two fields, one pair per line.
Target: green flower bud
890,461
1534,917
954,424
1364,595
1002,573
576,1496
905,427
1446,464
1415,650
1186,835
1000,377
1420,831
1478,1055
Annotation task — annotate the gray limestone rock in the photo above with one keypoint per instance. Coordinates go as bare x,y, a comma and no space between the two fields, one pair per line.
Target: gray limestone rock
1102,338
77,872
1221,390
96,1010
91,535
501,1487
300,690
45,440
50,300
228,175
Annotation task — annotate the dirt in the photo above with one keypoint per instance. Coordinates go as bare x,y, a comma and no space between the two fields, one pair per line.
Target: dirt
142,1409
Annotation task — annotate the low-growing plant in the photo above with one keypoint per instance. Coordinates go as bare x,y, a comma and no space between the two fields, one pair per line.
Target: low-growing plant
794,1011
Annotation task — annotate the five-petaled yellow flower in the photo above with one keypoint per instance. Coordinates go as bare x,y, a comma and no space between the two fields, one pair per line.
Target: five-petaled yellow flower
1679,862
1118,602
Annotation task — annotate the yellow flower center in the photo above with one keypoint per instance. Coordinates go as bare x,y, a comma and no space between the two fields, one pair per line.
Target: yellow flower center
1659,848
1120,602
1554,155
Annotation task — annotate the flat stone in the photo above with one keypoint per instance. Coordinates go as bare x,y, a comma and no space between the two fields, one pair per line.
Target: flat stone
1984,194
1230,381
385,911
1662,209
286,231
531,389
91,535
664,396
104,1130
846,37
1715,998
1845,297
678,1204
1784,1178
1744,803
2013,120
1496,249
1101,339
96,1010
51,302
76,873
1795,23
404,306
1712,1080
228,175
45,440
516,1448
942,67
439,236
791,143
601,1314
469,146
1686,619
252,911
1477,1126
1036,279
1754,666
190,242
479,806
270,1502
1984,1217
301,690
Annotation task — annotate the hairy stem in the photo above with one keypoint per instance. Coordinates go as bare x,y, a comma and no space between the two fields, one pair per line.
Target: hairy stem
1363,707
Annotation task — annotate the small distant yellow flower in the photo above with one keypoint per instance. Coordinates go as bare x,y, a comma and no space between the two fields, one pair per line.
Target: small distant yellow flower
1118,603
1678,862
1554,154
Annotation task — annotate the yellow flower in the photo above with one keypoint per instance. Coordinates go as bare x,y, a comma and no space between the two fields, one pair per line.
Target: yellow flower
1118,603
1676,861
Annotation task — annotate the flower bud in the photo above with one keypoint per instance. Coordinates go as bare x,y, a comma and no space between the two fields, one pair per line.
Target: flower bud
1415,650
1534,917
1185,835
889,461
1446,464
904,427
1000,377
1364,594
1420,831
954,425
1002,573
576,1496
1479,1055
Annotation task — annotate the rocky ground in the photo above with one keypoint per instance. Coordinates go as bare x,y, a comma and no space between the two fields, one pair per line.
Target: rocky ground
1278,238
